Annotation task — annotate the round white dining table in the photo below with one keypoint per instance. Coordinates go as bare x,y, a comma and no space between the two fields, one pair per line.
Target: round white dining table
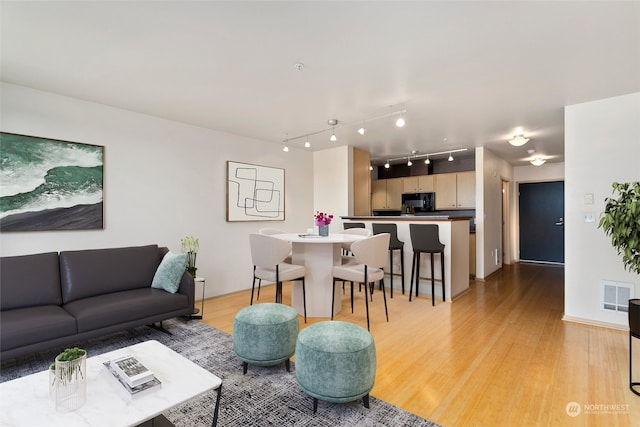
318,254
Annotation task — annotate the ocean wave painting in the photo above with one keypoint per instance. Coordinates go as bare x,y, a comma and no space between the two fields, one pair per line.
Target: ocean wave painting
47,184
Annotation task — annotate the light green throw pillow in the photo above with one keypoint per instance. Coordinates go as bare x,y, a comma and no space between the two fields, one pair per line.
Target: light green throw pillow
170,272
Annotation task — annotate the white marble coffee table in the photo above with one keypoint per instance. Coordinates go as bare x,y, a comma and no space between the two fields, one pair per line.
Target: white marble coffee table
25,401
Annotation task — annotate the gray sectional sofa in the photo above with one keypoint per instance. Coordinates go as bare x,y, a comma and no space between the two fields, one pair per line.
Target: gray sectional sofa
52,299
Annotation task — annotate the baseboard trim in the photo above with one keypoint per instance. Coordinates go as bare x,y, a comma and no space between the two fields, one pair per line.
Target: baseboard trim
597,323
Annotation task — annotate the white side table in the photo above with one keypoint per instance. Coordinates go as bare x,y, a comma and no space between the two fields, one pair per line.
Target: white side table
198,312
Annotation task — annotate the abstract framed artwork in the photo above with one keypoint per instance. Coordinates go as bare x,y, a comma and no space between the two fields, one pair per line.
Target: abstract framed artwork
48,184
254,193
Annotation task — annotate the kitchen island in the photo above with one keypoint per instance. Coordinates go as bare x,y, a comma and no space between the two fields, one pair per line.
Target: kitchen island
454,234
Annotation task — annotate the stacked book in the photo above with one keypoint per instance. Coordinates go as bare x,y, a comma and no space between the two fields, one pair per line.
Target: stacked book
132,374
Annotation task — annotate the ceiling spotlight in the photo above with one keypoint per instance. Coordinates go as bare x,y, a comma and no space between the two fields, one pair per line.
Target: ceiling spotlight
307,144
409,163
518,140
285,148
333,136
427,161
400,122
450,158
537,161
386,165
362,130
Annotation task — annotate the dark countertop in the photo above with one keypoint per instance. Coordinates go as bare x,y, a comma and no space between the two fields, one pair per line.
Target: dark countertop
408,217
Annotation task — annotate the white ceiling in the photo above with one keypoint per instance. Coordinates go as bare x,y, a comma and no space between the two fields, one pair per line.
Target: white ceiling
471,72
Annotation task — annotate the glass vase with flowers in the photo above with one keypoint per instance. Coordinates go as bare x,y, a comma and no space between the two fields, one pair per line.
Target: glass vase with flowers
323,220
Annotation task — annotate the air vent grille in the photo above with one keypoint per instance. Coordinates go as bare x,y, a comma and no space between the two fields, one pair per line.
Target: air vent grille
616,296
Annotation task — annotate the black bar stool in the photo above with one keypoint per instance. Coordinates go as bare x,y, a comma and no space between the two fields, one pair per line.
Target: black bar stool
425,239
394,245
634,332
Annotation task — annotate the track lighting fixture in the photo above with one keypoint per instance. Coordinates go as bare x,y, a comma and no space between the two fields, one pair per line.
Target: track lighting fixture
361,130
427,156
518,140
333,135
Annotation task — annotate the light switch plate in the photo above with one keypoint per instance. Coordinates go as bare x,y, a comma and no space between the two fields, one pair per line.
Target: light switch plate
588,199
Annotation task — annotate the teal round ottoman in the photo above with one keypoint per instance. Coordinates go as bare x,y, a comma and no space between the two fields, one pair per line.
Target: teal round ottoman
336,362
265,334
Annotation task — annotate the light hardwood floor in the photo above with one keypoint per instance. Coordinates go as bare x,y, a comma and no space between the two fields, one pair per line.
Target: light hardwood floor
499,355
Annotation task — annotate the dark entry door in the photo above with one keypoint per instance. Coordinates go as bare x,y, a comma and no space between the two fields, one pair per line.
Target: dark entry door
542,222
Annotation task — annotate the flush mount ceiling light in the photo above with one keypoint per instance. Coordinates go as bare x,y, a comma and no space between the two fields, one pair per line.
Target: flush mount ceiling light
537,161
518,140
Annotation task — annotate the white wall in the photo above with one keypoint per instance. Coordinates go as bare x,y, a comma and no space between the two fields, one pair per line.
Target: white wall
163,180
333,179
491,170
602,145
523,174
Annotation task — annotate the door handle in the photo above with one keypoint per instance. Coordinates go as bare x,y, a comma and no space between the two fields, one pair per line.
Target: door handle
560,222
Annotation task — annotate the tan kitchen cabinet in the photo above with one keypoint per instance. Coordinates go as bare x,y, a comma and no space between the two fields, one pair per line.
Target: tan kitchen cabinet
472,254
466,190
386,194
455,190
361,183
418,184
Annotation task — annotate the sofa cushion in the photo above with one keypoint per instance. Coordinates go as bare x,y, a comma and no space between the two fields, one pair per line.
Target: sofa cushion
24,326
29,280
121,307
170,272
94,272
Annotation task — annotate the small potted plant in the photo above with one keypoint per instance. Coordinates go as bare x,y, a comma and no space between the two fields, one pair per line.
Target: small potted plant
621,221
70,369
190,246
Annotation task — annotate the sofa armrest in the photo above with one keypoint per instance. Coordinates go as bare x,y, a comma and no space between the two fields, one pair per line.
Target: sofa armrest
187,287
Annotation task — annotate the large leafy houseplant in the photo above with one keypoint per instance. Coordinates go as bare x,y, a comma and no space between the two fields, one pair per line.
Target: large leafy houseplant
621,221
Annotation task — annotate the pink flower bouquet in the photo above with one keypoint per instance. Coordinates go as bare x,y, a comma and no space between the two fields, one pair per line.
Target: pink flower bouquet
323,218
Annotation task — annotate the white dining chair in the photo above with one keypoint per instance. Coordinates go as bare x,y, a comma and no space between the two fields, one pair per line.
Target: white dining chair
370,258
268,254
346,247
270,231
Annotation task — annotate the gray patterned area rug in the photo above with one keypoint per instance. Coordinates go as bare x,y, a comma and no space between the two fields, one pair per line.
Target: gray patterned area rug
265,396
